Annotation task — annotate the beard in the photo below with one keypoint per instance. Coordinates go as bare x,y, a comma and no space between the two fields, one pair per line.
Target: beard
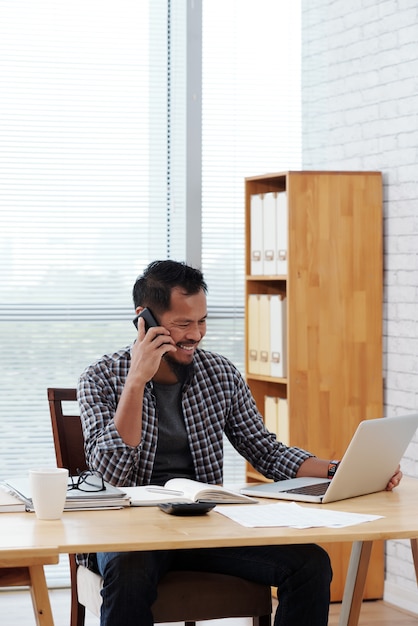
182,371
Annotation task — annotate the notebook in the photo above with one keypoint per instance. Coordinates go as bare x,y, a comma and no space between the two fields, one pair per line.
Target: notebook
370,460
111,497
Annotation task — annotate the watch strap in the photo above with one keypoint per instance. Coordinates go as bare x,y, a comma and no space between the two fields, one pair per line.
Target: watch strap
332,468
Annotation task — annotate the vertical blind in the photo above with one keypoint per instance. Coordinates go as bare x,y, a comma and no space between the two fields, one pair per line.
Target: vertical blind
251,124
92,179
76,219
83,121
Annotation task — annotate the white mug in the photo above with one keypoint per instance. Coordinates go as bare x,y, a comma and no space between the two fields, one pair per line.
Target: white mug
48,489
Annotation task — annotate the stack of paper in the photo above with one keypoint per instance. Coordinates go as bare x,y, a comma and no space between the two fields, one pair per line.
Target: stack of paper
110,498
9,503
292,515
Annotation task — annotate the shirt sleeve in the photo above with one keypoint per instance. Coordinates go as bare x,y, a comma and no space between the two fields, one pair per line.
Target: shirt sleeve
105,450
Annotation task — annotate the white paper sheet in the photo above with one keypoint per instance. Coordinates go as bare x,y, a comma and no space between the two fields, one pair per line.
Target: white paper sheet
291,515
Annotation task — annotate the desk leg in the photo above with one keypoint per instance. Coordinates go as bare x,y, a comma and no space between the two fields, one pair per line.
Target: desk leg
40,596
354,584
414,548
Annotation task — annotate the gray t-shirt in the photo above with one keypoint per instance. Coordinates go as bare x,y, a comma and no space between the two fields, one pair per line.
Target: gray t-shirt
173,458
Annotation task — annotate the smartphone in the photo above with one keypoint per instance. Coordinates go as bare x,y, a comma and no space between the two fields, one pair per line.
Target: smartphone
148,317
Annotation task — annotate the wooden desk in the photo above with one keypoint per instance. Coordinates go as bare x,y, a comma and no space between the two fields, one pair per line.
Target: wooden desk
24,566
148,528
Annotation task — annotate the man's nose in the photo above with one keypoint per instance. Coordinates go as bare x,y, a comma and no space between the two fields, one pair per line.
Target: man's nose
194,332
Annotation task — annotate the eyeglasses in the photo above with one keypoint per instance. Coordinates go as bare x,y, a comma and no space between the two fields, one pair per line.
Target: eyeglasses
89,480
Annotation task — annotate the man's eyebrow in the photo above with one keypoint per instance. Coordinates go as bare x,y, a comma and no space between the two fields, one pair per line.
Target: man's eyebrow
184,320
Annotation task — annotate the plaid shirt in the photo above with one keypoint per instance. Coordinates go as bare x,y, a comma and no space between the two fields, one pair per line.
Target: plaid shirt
215,401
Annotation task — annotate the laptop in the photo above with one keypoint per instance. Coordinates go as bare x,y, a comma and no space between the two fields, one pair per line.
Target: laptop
370,460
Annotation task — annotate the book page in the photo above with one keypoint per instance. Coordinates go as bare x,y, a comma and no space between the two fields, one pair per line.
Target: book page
152,495
196,491
183,490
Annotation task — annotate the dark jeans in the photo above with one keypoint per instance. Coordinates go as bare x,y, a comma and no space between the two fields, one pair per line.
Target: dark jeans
302,574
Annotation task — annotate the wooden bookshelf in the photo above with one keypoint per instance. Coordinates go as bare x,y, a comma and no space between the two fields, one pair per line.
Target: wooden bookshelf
333,289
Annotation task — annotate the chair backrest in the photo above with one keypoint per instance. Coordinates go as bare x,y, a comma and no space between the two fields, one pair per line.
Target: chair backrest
67,431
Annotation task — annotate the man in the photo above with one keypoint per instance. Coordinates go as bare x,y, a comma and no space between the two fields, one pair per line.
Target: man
159,409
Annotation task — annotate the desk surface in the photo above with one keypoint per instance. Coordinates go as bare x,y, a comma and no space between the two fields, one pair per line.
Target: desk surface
139,528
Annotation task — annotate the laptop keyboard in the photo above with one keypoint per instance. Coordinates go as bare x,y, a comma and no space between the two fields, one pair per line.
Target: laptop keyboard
310,490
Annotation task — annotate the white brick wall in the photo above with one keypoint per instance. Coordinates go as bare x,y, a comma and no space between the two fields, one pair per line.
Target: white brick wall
360,111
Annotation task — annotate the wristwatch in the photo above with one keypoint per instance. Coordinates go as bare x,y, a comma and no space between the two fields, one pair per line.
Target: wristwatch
332,468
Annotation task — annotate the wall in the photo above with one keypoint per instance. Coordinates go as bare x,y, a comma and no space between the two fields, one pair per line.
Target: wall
360,112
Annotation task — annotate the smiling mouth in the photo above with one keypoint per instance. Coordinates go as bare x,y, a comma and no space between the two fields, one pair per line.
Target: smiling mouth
187,346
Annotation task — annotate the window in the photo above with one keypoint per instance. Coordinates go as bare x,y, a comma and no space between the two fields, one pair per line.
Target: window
251,124
93,167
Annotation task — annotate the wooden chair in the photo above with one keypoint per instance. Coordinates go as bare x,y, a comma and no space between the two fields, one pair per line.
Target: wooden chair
182,596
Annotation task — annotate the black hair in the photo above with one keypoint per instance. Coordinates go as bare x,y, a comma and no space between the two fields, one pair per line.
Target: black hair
153,288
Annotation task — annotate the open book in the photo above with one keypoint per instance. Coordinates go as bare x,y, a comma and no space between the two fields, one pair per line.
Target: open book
184,490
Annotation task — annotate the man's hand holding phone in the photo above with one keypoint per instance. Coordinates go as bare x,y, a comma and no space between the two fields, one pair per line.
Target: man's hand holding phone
154,341
146,354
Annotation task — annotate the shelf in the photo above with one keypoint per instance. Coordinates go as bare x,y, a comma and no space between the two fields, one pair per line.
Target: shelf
267,379
272,278
332,281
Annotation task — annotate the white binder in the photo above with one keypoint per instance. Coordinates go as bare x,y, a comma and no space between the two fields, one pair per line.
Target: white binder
271,413
264,334
269,234
283,422
253,334
256,235
281,233
278,336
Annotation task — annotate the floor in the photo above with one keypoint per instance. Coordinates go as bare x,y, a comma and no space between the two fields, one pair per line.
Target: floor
16,605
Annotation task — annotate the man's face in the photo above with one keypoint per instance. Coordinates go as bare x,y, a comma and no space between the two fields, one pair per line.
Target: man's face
186,321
